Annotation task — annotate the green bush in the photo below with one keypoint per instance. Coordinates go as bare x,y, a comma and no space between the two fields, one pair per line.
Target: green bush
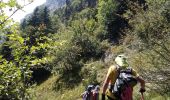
150,32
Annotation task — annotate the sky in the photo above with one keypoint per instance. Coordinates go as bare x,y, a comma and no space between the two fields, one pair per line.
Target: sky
28,9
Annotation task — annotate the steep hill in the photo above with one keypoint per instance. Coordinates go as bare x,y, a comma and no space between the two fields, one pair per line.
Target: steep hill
68,44
96,31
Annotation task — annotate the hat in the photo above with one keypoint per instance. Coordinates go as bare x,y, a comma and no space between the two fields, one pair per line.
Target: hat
121,60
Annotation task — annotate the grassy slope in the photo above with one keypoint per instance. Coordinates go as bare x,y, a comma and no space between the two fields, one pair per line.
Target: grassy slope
45,91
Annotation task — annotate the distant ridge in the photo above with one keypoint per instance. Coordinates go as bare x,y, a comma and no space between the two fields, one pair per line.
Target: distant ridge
55,4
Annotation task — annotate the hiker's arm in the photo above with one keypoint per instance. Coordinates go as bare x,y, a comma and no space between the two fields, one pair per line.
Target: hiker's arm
108,78
142,82
139,79
105,85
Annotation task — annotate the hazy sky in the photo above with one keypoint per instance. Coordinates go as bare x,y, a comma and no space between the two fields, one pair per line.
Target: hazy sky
28,9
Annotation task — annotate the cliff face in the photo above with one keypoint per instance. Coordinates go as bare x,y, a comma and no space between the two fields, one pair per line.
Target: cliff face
55,4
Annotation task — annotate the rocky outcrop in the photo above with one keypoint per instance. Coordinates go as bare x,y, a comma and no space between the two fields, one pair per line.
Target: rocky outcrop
55,4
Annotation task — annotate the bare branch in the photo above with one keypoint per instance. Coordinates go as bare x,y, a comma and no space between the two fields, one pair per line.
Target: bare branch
19,8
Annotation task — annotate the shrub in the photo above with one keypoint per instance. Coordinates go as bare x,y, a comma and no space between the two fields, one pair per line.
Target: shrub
150,31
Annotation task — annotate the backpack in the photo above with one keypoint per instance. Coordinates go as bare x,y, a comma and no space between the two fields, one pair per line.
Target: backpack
91,93
124,79
88,92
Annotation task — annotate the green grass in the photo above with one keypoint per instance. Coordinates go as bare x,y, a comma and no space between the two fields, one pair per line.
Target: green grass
149,94
45,91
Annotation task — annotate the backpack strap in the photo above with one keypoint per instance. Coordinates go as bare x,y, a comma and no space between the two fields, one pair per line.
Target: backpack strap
111,86
118,70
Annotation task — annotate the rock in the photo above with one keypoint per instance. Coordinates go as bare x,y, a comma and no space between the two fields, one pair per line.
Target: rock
55,4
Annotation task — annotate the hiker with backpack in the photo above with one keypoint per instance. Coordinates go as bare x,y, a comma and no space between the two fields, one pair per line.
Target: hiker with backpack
91,93
120,80
96,92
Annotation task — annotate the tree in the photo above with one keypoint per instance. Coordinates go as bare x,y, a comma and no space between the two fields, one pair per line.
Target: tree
15,63
47,21
14,69
35,18
106,16
37,29
153,32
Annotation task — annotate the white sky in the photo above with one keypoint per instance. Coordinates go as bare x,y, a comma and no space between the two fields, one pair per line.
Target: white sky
28,9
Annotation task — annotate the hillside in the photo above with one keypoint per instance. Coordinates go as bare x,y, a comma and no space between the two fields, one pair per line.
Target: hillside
65,45
55,4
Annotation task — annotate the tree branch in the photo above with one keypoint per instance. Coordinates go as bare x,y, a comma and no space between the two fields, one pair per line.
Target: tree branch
19,8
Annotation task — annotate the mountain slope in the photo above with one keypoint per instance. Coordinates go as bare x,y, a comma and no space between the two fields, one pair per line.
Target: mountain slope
55,4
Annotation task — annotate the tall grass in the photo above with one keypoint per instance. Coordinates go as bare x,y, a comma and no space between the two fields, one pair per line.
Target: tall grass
45,91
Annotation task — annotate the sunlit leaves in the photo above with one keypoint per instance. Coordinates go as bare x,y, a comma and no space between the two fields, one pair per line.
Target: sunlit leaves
10,79
13,72
106,11
152,33
12,3
2,4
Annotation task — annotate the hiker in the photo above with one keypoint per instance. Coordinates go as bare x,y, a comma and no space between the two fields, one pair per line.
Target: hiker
120,79
96,93
91,93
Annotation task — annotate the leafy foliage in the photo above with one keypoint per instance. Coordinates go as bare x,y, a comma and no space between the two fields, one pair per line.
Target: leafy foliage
18,55
80,46
152,30
15,72
73,42
106,15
